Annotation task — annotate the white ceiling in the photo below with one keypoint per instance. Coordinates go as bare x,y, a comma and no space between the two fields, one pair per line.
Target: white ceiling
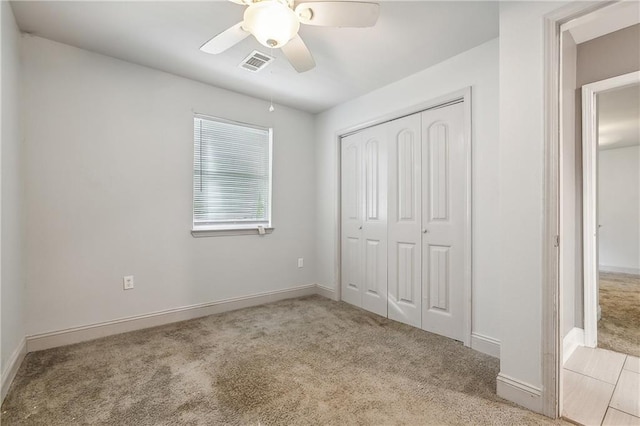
166,35
619,117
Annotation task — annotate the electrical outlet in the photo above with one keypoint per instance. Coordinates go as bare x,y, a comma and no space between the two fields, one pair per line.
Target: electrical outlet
300,262
128,282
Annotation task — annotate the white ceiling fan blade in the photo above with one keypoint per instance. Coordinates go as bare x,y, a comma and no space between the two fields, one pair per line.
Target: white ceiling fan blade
225,39
338,13
298,54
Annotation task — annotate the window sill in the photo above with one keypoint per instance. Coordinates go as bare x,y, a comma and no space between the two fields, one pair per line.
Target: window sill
199,233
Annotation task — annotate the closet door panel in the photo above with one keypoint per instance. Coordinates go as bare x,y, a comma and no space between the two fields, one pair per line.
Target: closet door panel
374,230
352,216
404,228
443,220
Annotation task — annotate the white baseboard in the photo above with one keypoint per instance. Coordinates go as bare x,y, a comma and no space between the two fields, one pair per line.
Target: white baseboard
619,269
13,364
70,336
519,392
327,292
485,344
573,339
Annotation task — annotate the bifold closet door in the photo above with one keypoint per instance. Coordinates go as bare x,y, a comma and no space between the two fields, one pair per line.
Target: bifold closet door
405,232
419,162
352,212
364,220
443,220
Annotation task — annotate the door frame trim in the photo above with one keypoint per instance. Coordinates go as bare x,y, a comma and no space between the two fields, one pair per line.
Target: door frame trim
590,196
464,96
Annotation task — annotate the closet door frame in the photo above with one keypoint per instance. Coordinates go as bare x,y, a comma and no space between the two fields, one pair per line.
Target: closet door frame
463,95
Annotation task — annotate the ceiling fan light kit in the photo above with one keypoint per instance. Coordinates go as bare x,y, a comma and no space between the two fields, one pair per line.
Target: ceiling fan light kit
275,24
272,23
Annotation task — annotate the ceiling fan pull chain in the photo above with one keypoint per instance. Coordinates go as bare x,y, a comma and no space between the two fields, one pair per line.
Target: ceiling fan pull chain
271,108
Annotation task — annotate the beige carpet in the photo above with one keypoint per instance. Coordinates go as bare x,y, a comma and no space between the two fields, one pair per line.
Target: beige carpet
301,361
619,326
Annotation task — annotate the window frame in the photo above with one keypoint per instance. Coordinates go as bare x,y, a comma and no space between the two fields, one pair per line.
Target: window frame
232,228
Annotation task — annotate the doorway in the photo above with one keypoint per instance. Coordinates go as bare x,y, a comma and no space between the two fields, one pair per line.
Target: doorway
599,185
611,176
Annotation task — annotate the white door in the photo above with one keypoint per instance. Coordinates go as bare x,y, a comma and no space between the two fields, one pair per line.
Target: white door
374,229
364,220
405,232
352,213
443,221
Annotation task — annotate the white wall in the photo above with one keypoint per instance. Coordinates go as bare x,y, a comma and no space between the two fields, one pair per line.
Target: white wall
12,261
478,68
521,198
619,209
109,147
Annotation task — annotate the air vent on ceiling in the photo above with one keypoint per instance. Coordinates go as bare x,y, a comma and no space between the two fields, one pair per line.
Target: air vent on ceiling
256,61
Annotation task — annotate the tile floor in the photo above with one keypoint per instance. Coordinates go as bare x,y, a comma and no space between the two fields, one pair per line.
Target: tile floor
601,387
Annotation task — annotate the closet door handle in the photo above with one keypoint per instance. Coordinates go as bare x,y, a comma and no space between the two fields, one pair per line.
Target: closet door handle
360,227
425,231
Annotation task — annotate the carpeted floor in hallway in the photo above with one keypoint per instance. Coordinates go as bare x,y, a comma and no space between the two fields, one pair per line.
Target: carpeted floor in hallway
299,361
619,326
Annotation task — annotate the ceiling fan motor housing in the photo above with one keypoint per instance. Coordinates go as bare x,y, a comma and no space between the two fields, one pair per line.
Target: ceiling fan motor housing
272,22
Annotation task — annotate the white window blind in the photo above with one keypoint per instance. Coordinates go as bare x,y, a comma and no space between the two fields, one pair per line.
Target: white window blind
231,175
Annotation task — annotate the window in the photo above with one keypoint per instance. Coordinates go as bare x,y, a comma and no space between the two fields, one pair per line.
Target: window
231,175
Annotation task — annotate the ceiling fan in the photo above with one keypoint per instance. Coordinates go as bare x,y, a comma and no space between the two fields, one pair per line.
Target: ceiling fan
275,24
